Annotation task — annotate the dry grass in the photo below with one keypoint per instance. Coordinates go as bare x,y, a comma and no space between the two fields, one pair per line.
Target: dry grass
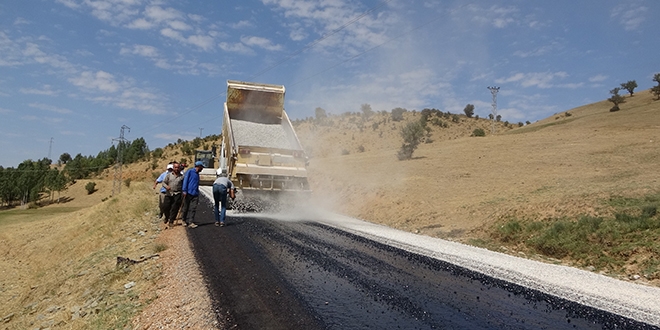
459,187
59,262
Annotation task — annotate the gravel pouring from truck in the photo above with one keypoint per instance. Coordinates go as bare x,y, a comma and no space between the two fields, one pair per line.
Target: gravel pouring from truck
260,150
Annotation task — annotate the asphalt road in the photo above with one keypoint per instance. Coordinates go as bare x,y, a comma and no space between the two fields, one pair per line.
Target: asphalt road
274,274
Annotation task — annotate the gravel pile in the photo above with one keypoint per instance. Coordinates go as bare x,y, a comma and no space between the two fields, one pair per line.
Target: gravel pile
247,133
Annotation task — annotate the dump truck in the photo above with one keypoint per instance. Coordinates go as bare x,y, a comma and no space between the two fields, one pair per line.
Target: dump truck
260,150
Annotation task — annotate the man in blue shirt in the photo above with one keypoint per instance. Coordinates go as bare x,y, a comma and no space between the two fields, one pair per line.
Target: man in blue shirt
190,191
161,196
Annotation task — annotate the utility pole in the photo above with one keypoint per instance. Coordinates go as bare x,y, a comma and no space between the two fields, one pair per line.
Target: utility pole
200,132
116,182
494,90
50,148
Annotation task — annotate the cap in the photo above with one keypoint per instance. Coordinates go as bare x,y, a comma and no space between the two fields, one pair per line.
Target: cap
199,163
170,166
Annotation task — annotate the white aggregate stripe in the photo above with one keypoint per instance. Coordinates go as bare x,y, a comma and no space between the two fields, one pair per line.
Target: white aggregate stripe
635,301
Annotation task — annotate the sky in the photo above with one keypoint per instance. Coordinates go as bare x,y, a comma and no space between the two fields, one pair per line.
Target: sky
74,72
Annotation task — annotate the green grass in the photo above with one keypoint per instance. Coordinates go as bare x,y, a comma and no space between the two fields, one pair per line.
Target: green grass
15,215
628,238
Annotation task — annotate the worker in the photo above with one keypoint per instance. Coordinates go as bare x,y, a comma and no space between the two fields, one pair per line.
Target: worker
221,187
172,183
190,191
161,195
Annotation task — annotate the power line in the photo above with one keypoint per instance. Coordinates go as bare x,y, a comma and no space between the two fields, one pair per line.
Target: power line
493,91
116,181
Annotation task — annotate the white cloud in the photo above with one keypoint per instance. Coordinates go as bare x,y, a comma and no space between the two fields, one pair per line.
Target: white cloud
101,80
159,14
141,24
201,41
33,52
260,42
236,48
69,3
534,79
241,24
21,21
328,19
46,90
630,16
50,108
141,50
499,17
179,25
598,78
539,51
5,111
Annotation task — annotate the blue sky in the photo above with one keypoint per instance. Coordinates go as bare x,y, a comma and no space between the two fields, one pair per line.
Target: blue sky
77,70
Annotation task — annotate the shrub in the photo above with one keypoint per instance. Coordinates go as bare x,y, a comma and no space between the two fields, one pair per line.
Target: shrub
527,122
568,114
478,132
90,187
360,148
520,124
616,98
469,110
455,118
397,114
412,135
438,122
344,152
127,182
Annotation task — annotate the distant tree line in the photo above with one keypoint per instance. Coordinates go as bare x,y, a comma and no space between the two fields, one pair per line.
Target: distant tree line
31,179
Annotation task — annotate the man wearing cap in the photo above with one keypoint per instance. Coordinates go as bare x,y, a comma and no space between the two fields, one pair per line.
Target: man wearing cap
161,196
190,191
172,183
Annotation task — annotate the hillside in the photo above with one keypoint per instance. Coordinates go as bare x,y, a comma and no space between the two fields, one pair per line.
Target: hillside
575,163
564,165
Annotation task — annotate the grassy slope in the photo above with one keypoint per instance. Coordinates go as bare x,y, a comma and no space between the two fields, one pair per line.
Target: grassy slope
60,259
459,187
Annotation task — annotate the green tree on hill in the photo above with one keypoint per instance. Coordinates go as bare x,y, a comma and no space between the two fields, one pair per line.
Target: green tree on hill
616,99
320,113
397,114
412,135
469,110
655,90
629,86
366,110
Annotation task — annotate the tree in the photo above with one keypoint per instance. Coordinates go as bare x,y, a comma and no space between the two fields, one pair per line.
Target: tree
397,114
320,113
65,157
655,90
366,110
469,110
616,99
498,118
412,134
629,86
